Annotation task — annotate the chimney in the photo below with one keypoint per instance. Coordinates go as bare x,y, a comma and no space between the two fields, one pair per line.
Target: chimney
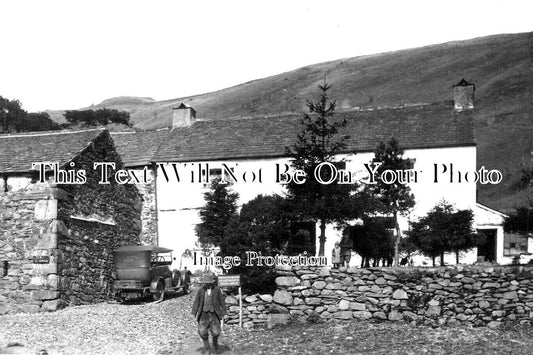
183,116
463,95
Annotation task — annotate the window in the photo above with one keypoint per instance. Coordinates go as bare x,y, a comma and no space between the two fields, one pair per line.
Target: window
514,244
214,173
340,165
218,173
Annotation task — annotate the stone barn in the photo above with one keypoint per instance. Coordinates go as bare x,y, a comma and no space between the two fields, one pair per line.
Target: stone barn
58,229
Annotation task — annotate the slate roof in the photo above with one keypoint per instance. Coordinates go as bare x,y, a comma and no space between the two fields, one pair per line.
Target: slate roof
417,127
19,150
424,126
139,148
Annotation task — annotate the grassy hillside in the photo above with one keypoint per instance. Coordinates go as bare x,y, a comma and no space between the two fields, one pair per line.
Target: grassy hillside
501,67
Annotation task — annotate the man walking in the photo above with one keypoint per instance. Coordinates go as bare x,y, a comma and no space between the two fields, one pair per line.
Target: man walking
209,308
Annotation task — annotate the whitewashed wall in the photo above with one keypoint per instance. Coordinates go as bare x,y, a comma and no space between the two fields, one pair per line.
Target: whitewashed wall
178,203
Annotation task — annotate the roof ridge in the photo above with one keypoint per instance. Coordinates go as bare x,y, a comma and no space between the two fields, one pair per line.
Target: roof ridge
387,107
140,131
404,105
257,117
48,133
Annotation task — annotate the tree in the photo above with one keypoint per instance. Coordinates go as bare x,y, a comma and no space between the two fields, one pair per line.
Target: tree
425,241
395,198
220,208
521,220
99,117
36,122
408,247
266,213
10,112
241,236
461,234
444,230
372,240
14,119
319,142
260,227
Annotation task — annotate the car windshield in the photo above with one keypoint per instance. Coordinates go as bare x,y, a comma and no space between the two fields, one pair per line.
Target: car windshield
160,259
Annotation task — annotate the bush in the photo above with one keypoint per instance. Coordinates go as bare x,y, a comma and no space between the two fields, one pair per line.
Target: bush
239,238
315,318
257,279
260,228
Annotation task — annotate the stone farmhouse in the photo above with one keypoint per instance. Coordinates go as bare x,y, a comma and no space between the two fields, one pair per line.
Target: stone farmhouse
434,136
55,239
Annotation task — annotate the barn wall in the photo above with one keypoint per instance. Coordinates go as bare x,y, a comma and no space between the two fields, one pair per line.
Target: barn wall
57,240
97,219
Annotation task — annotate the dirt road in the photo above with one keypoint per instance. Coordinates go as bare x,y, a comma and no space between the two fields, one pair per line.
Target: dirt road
168,328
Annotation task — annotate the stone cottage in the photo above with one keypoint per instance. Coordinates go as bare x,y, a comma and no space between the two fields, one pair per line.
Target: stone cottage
57,229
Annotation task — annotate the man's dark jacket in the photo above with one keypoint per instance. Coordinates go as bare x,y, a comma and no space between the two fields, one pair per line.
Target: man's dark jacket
218,302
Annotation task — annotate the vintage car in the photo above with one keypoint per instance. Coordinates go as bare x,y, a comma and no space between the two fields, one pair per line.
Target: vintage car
145,270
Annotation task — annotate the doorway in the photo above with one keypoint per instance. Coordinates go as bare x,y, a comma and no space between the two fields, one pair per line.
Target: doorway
486,250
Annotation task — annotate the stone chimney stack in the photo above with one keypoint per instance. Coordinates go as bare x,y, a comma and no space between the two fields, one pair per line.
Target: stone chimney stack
463,95
183,116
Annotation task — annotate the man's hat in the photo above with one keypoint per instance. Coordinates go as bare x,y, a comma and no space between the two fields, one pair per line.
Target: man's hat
207,279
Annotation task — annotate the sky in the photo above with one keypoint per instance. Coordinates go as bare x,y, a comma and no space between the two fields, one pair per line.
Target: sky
70,54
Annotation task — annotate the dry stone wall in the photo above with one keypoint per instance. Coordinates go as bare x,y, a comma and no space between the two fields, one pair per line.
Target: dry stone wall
477,295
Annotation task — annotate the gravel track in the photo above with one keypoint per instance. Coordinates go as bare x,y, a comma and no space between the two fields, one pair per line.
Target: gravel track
106,328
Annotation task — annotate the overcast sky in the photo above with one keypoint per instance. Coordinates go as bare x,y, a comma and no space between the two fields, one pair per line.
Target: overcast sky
71,54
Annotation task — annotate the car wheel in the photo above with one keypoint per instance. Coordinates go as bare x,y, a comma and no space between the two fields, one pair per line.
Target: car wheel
119,298
176,278
159,293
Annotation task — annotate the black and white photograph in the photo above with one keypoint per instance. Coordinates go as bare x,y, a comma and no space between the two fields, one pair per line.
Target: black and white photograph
266,177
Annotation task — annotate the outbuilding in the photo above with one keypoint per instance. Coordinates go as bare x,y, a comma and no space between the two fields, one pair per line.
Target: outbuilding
58,230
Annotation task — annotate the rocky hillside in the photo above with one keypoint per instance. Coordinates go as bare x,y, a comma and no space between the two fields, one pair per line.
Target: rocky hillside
501,66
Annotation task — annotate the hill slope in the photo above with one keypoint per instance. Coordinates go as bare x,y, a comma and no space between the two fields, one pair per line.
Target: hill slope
501,66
